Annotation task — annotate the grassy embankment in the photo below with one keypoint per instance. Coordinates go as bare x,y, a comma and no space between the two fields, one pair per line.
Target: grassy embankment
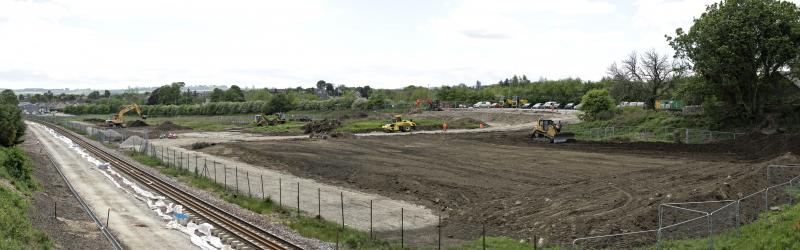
634,124
16,187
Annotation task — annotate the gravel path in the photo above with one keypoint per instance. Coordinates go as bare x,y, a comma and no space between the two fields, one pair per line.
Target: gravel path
72,228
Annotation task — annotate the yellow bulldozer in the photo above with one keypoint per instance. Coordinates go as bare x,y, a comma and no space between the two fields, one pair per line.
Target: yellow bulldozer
398,124
270,120
118,120
549,131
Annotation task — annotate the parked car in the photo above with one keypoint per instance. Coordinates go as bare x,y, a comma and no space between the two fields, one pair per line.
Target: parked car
569,106
527,105
578,106
550,105
482,105
537,106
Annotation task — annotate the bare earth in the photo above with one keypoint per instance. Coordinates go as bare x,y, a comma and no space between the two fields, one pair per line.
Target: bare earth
511,185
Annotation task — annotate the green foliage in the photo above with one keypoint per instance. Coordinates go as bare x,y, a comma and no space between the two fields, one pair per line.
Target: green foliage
278,103
7,97
15,167
563,91
16,231
739,48
596,104
169,94
234,94
12,127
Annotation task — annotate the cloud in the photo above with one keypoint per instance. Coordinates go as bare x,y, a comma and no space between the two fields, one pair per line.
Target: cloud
482,34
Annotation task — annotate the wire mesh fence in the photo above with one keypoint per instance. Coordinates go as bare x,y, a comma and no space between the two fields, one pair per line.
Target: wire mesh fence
655,134
692,225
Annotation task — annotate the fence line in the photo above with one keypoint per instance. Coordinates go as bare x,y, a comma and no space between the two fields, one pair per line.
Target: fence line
708,215
658,134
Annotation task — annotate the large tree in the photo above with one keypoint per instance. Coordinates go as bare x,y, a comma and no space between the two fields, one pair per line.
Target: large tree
647,77
234,94
11,125
741,49
8,97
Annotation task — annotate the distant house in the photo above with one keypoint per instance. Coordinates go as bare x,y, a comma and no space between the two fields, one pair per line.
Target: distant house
28,108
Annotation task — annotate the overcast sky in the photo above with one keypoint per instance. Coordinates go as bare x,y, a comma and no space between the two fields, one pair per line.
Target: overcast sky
104,44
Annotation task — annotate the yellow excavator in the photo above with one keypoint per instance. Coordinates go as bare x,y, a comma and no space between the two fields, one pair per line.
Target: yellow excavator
119,118
270,120
398,124
549,131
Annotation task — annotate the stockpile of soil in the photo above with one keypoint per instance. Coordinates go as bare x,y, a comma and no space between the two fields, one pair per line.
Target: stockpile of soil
168,125
136,123
94,120
322,126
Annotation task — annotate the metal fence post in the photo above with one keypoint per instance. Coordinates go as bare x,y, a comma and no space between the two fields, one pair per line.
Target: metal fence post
341,201
263,196
247,175
710,232
687,136
236,176
298,199
402,233
738,220
660,224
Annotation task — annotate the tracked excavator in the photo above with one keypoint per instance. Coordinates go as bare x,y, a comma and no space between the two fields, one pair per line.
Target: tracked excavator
548,131
119,118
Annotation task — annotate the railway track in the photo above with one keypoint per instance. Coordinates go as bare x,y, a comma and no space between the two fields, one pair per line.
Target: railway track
252,235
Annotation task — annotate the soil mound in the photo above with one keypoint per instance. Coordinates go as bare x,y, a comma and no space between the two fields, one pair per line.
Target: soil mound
94,120
132,142
137,123
322,126
757,146
168,125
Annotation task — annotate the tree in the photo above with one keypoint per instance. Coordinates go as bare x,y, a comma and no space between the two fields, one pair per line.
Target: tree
8,97
596,104
167,94
94,95
646,77
740,48
234,94
279,103
106,94
217,95
12,128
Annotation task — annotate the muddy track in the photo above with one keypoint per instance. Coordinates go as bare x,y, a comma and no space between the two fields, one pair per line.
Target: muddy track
514,186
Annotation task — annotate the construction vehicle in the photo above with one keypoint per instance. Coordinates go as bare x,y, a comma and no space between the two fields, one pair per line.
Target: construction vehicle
398,124
514,102
118,120
270,120
549,131
433,105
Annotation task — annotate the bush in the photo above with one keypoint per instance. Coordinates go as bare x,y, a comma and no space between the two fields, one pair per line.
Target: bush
199,145
597,104
11,125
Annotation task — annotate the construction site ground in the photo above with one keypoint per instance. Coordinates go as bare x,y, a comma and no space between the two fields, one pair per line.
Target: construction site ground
519,188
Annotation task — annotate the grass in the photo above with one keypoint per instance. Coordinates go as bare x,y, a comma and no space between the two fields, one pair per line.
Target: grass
775,230
290,127
16,231
634,124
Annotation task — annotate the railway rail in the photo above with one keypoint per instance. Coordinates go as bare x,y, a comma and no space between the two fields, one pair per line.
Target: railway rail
250,234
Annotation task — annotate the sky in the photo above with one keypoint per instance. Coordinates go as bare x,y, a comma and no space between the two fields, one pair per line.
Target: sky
106,44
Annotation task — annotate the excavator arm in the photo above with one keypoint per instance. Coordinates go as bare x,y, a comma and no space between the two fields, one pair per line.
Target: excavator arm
119,118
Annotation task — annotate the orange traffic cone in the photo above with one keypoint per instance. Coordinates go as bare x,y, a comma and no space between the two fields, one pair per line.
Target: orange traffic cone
482,125
444,126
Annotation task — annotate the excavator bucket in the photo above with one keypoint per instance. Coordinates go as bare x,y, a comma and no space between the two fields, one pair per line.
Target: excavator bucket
564,137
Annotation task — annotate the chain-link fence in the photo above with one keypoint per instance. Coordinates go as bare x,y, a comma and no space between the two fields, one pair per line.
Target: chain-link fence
680,223
655,134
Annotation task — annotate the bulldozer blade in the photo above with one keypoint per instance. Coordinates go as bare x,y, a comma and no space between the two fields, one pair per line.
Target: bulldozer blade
564,137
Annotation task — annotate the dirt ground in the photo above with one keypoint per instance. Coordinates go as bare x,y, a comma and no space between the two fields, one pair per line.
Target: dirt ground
73,228
520,188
